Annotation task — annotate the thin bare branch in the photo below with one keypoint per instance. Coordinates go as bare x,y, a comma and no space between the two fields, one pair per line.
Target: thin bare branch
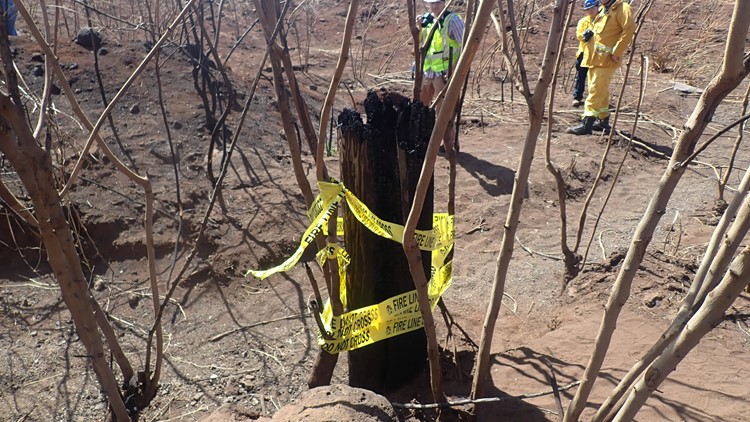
411,249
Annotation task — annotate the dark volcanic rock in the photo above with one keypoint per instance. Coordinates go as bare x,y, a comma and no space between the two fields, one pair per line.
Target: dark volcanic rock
89,38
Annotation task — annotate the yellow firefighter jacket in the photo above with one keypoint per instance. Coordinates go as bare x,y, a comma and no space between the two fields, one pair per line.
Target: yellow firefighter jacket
583,24
613,31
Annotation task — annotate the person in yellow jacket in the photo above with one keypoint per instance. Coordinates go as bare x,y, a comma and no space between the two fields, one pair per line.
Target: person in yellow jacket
584,32
442,53
613,31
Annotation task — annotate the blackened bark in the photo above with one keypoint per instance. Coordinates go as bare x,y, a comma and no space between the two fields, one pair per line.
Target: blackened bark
378,268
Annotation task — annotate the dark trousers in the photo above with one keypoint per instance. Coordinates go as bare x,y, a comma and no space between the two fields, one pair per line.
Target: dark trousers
580,83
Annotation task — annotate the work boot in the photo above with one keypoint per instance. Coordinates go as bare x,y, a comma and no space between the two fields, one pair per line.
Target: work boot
585,128
602,125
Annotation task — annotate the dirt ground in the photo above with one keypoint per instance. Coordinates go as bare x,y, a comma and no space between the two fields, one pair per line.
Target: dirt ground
250,344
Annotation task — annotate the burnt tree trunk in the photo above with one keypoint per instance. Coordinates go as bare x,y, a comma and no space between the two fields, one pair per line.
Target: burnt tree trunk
378,268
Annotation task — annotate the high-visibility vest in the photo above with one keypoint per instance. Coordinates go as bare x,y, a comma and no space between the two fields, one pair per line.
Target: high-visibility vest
440,52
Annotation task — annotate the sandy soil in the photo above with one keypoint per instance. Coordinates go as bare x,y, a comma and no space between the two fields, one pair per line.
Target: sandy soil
251,343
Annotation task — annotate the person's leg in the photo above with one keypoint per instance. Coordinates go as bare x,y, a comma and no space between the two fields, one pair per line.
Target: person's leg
585,127
580,81
584,78
589,108
450,132
428,91
604,77
597,102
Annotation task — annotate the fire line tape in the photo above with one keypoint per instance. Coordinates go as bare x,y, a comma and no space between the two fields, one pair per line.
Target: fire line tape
397,315
334,251
439,236
331,194
392,317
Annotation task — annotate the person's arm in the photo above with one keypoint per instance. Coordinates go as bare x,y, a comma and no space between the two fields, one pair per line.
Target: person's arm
581,28
422,30
456,29
625,19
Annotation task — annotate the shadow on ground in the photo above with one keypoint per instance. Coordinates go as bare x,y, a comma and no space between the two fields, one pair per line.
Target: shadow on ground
495,180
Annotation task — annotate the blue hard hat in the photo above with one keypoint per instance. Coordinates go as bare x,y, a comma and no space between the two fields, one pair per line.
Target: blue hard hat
589,4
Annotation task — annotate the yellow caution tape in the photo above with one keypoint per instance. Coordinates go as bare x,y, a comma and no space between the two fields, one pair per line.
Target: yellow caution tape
428,240
397,315
331,195
389,318
441,235
334,251
440,238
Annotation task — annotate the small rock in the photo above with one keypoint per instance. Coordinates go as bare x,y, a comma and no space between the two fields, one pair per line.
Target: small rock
55,90
177,125
33,334
37,57
314,87
232,389
73,66
247,382
133,300
77,90
197,396
99,285
38,70
213,377
135,109
89,38
103,51
654,301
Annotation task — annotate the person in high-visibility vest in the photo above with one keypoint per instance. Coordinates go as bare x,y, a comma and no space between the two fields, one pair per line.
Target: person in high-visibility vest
584,32
442,53
613,31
